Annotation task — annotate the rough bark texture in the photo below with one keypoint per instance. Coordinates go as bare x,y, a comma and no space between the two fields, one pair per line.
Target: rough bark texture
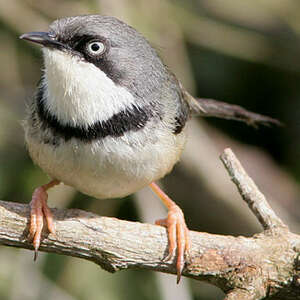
265,266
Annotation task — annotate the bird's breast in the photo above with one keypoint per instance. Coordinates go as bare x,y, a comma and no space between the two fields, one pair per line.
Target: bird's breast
111,167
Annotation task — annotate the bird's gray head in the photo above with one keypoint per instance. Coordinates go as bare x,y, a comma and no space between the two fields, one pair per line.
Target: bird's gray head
114,47
95,67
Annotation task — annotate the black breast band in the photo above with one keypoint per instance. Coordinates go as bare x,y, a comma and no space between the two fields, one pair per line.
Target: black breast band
129,119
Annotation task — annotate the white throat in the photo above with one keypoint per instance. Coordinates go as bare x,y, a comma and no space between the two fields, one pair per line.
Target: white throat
78,93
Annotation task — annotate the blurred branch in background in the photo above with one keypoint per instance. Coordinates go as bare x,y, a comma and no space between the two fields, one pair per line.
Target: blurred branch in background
246,52
244,29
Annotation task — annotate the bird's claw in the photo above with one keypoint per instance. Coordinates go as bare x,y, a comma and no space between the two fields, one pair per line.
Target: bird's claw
39,209
178,236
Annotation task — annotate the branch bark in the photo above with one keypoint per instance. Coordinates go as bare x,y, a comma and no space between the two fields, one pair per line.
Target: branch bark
265,266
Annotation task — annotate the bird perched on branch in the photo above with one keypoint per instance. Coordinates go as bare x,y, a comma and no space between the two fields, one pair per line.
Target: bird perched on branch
109,118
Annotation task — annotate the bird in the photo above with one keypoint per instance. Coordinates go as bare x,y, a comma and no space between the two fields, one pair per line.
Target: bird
109,118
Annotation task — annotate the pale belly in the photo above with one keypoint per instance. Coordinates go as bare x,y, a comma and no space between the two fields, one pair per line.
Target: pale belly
111,167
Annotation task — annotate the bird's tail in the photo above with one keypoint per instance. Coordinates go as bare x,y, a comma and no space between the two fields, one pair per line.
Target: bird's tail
213,108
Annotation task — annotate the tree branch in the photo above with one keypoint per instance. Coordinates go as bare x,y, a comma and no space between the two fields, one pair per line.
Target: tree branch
260,267
239,294
250,192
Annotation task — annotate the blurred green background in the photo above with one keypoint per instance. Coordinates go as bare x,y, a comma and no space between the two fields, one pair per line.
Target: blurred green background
240,51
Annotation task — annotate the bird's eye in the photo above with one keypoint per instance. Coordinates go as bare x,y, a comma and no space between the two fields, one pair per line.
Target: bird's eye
95,48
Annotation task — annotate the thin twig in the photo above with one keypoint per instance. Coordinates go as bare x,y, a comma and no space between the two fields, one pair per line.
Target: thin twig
250,192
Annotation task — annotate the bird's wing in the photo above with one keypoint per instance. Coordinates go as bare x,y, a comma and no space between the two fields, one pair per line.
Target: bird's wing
213,108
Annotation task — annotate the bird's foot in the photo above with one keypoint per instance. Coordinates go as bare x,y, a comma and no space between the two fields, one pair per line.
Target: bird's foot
178,232
39,209
178,235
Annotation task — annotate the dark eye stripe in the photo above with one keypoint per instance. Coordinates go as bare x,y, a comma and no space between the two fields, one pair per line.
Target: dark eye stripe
78,43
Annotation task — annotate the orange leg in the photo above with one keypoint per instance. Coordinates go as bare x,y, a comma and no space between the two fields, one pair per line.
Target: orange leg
39,209
178,233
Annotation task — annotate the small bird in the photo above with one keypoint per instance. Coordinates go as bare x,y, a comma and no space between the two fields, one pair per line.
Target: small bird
109,118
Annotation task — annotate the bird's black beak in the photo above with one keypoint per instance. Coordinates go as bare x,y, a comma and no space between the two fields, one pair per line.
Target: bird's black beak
44,38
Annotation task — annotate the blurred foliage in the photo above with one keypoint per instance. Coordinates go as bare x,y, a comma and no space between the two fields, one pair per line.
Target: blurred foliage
244,52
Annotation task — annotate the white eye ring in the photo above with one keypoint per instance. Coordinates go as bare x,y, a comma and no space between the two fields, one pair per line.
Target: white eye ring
96,48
